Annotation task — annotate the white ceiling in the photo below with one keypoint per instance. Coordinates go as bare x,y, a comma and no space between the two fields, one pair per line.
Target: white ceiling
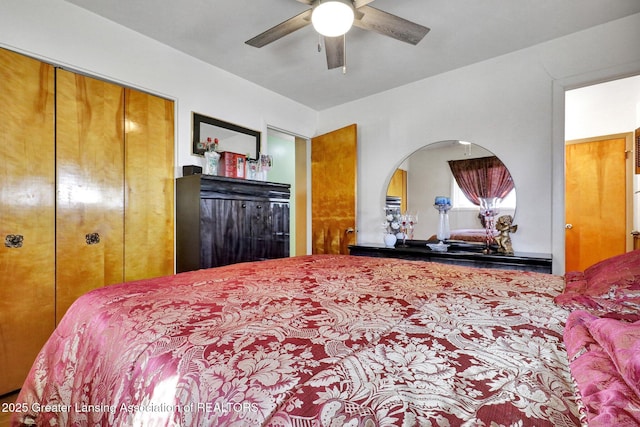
462,32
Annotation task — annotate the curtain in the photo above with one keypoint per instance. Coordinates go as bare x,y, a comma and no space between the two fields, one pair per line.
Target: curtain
482,177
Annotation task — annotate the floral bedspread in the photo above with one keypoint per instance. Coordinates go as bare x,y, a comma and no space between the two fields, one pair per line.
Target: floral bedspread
325,340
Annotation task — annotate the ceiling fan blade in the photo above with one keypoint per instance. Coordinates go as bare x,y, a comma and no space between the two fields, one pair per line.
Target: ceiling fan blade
307,2
282,29
390,25
334,48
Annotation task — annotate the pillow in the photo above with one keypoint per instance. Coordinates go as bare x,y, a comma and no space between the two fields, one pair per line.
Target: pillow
604,357
623,309
614,278
608,288
621,341
574,282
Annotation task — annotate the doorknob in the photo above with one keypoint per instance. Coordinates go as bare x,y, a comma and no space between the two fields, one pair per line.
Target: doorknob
349,230
568,226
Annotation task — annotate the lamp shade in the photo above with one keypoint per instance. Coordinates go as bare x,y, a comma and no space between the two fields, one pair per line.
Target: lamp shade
332,18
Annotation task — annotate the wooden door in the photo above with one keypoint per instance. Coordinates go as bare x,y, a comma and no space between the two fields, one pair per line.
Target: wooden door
595,201
333,191
90,186
27,195
149,199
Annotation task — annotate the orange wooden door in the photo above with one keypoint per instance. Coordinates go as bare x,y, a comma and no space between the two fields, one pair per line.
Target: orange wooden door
149,204
595,202
27,195
333,191
90,186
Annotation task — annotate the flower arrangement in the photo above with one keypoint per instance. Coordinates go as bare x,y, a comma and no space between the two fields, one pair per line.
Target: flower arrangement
209,144
393,220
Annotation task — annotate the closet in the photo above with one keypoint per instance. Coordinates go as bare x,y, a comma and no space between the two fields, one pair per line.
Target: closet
86,197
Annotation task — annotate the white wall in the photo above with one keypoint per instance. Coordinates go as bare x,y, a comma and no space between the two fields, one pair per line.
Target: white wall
512,105
64,34
603,109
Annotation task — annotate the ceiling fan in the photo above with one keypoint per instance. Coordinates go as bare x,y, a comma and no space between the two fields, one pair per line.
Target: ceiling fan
342,14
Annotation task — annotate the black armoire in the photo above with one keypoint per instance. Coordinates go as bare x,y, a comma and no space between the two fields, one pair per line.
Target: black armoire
221,221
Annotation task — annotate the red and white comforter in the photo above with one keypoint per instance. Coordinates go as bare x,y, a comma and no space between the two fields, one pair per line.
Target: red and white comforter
310,341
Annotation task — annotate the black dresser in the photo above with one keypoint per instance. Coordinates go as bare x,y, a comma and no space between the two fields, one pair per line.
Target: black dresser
458,254
222,221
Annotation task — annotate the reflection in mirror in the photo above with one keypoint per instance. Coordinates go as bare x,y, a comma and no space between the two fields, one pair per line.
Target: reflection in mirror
425,175
229,137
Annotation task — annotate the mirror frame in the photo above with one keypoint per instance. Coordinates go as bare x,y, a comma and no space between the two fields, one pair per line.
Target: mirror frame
389,200
198,119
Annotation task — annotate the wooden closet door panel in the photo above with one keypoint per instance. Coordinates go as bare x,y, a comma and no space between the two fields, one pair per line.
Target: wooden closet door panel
90,186
149,177
27,274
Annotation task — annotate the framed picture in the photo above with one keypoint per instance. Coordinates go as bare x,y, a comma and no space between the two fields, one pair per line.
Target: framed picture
226,136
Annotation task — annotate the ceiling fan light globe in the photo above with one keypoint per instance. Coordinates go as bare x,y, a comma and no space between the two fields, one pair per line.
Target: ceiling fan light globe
332,18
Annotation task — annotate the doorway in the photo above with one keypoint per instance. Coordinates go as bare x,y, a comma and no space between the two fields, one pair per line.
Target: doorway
290,160
604,112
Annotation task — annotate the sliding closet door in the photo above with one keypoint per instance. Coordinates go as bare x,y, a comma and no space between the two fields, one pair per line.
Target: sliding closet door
149,209
90,186
26,214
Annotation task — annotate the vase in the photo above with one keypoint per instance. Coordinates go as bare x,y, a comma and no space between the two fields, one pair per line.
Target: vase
211,162
390,240
489,210
444,233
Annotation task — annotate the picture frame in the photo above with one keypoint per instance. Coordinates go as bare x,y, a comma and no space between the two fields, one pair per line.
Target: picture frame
229,136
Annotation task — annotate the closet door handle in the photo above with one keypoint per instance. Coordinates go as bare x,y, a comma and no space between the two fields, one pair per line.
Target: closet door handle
92,238
13,240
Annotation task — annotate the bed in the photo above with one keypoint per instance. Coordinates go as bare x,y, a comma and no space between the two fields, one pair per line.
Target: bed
478,235
322,340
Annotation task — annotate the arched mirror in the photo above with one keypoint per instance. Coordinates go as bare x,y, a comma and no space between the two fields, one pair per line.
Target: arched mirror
427,174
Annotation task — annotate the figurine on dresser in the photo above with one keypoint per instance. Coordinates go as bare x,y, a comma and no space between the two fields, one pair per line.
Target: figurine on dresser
505,227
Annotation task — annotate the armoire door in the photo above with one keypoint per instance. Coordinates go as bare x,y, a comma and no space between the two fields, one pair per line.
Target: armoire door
90,186
224,232
275,232
257,230
27,197
149,182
